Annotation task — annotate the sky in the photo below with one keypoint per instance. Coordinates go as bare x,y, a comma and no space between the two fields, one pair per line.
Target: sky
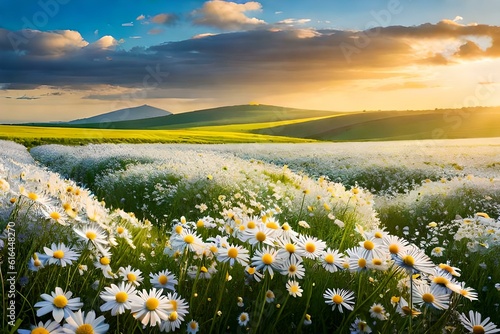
66,59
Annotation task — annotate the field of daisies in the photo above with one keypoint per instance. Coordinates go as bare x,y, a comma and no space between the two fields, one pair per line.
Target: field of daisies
399,237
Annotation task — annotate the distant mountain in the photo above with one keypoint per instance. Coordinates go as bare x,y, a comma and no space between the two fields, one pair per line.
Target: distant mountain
127,114
239,114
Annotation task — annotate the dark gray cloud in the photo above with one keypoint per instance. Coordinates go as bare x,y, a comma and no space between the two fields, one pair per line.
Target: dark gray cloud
274,59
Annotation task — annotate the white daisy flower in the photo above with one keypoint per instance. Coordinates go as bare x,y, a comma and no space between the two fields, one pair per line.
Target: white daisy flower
331,260
294,289
59,303
60,254
310,247
266,260
430,296
474,324
94,234
233,253
117,298
339,298
243,319
293,268
78,323
193,327
50,327
164,280
150,307
131,275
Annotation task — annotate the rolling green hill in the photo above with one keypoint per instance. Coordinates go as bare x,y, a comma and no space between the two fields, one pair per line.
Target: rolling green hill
396,125
240,114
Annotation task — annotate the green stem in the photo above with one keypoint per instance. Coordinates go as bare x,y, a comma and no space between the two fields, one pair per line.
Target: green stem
411,302
221,293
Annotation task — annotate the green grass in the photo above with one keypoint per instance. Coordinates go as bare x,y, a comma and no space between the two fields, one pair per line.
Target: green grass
32,136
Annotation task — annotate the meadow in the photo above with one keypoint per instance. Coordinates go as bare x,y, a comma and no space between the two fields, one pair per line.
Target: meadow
379,237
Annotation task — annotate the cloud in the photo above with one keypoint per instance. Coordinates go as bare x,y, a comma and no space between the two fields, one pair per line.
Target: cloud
166,19
135,37
458,18
128,24
140,17
292,22
255,60
155,31
227,15
207,34
39,43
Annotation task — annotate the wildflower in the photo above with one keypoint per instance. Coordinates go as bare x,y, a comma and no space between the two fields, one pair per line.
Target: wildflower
59,303
270,296
466,292
331,260
360,326
117,298
293,268
310,247
437,251
60,254
103,264
377,311
82,268
430,296
253,273
55,215
93,234
131,275
474,324
193,327
339,298
452,270
188,239
179,310
233,253
243,319
265,259
50,327
403,309
304,224
443,280
240,302
261,234
150,307
287,248
294,289
37,262
357,260
164,279
414,260
79,323
307,320
394,244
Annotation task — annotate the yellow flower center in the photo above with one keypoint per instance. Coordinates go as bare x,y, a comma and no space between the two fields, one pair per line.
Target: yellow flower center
251,270
55,215
131,277
260,236
232,252
37,263
285,227
378,235
193,325
337,299
243,317
478,329
104,260
214,249
409,260
120,230
200,223
58,254
267,259
393,248
121,297
395,299
162,279
428,297
377,309
189,239
294,288
39,330
292,268
174,304
251,224
269,294
152,303
441,280
33,196
272,225
173,316
290,248
91,235
361,263
60,301
178,229
329,258
310,247
377,262
368,245
85,329
204,269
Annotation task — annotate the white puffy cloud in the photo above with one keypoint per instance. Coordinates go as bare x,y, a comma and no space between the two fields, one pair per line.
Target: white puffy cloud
227,15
